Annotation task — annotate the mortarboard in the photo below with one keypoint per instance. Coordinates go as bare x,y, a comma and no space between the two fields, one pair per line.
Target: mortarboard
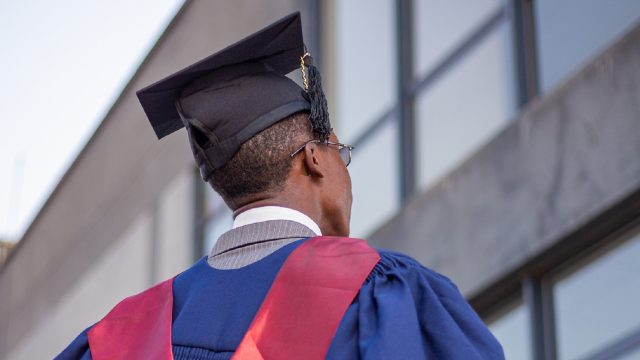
226,98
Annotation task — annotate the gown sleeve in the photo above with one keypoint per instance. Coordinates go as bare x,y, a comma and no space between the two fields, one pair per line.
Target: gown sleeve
77,350
407,311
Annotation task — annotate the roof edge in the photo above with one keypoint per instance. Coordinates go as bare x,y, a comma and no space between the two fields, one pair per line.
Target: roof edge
127,87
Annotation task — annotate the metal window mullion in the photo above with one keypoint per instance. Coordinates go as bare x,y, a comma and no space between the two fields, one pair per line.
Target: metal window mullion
373,129
406,118
524,47
460,51
198,214
312,20
316,14
538,296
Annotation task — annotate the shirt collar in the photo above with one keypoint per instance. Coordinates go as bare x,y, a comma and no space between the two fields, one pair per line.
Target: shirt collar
268,213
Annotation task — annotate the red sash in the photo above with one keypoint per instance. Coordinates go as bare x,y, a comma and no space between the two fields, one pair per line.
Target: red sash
297,319
139,327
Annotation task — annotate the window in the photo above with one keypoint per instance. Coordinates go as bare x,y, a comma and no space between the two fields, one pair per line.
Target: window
571,32
215,227
596,305
588,308
365,54
464,108
465,103
374,178
215,218
512,328
365,76
440,26
630,355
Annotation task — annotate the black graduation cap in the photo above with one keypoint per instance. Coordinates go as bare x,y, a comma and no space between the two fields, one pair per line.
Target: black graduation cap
226,98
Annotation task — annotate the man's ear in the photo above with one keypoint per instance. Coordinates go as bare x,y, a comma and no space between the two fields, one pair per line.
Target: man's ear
314,160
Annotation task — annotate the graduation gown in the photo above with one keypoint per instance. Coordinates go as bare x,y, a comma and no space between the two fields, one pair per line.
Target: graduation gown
402,311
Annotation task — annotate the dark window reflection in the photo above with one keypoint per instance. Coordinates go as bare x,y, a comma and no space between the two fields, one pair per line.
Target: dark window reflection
571,32
598,304
512,329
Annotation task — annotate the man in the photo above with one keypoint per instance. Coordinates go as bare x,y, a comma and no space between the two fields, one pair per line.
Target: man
278,285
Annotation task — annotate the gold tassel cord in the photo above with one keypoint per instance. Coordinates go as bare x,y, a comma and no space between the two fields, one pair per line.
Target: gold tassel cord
305,80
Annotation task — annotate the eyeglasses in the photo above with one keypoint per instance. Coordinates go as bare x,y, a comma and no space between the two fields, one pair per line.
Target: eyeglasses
343,149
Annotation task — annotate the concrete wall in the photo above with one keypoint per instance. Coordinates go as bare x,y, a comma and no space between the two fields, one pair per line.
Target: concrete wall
156,246
121,270
123,175
568,158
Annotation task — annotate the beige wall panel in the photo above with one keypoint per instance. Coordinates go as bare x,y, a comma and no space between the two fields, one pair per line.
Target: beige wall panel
174,243
123,270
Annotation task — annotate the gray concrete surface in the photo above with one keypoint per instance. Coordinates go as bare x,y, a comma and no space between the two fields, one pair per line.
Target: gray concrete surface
568,157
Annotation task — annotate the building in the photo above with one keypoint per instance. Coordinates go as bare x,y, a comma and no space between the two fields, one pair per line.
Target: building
498,142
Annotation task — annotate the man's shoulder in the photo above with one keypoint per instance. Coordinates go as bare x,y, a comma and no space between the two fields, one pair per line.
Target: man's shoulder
401,293
396,259
394,263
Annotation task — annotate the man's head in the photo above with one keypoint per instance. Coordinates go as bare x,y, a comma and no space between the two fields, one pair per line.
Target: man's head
314,181
244,118
262,164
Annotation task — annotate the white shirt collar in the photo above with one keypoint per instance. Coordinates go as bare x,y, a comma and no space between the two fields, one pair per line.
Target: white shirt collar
267,213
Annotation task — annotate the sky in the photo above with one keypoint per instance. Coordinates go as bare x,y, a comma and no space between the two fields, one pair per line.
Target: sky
62,64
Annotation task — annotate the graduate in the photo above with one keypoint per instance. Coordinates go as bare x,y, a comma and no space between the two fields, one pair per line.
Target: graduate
285,282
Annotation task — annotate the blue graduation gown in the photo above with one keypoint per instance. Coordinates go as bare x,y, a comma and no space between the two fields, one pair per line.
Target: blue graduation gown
403,311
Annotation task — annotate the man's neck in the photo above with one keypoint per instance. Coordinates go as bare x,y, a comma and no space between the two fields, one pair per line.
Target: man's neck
295,197
268,213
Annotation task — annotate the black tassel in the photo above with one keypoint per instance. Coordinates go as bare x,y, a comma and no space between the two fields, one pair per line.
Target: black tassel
319,115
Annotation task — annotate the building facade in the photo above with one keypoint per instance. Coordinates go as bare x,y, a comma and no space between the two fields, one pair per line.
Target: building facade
497,141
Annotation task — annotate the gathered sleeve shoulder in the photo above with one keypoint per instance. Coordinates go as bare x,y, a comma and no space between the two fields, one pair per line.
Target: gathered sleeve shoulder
407,311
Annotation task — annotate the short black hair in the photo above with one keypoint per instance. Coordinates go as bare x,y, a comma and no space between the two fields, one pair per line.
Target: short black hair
263,162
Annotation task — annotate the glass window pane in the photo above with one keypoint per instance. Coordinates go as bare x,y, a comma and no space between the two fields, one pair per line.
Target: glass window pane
212,200
464,108
570,32
220,223
365,64
374,178
441,25
631,355
513,331
597,305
